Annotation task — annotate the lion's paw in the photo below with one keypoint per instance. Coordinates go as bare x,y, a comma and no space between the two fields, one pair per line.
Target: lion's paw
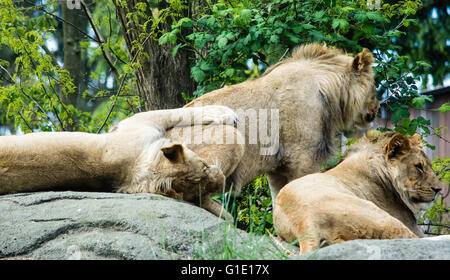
218,115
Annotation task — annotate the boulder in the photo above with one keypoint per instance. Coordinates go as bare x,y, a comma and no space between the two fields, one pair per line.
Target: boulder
84,225
393,249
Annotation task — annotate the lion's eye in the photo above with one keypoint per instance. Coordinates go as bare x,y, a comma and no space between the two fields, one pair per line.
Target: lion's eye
419,167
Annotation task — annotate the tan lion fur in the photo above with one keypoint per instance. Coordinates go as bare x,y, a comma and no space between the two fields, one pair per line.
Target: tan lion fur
319,92
136,157
372,194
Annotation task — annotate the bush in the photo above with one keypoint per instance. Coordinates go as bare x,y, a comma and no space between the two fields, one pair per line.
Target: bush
436,220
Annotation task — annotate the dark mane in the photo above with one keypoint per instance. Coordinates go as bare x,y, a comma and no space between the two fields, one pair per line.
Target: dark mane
325,144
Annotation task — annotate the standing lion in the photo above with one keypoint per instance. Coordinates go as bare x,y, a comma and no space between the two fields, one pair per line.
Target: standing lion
317,94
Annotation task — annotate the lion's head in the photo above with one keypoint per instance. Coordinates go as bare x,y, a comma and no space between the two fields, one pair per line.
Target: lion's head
408,167
347,83
173,170
419,183
187,171
363,86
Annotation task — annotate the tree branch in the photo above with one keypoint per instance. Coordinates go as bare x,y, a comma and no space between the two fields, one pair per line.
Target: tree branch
61,19
435,225
101,41
45,90
120,88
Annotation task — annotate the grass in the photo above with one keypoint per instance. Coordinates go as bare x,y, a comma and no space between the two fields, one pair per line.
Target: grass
249,237
235,244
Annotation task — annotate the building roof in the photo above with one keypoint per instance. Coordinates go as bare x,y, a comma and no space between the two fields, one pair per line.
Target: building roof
437,91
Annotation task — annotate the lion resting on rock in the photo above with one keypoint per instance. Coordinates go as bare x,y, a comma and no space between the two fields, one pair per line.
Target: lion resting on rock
135,157
372,194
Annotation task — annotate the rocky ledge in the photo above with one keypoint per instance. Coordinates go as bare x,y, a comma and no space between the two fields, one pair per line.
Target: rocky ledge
82,225
394,249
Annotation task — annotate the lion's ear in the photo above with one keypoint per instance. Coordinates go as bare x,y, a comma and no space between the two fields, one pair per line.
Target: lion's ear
362,61
416,140
397,147
372,134
174,153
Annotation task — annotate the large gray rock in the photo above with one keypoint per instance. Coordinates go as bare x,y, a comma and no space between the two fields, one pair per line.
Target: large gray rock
395,249
81,225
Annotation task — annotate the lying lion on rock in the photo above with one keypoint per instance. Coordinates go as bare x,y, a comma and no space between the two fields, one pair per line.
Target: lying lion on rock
372,194
136,157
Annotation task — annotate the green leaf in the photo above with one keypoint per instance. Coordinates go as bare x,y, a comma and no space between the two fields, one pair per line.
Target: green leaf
206,66
164,39
418,102
274,39
375,16
245,16
218,7
198,74
185,22
177,47
444,108
307,26
319,14
84,44
222,42
229,72
230,36
172,37
294,39
401,113
361,16
424,64
341,23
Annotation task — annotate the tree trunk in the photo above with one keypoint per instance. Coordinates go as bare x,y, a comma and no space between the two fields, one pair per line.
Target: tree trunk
72,53
162,78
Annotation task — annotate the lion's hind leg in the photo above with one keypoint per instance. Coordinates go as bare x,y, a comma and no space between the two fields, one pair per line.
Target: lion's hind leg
348,218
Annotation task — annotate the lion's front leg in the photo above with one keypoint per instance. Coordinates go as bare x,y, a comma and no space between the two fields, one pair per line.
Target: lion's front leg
276,182
216,208
166,119
130,189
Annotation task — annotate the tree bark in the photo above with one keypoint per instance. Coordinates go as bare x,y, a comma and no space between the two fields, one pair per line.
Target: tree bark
72,55
72,51
161,78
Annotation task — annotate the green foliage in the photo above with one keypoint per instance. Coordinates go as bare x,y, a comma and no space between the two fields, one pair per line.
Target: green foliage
436,220
34,86
234,246
253,211
32,98
426,39
230,34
